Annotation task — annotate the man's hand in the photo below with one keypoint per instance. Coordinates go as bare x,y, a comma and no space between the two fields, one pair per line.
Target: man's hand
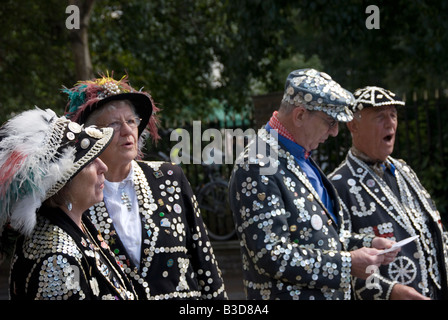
402,292
383,243
362,259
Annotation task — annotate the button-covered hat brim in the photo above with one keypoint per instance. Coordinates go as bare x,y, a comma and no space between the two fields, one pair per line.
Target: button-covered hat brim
88,147
316,90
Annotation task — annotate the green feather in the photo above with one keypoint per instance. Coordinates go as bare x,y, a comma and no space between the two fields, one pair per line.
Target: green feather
77,97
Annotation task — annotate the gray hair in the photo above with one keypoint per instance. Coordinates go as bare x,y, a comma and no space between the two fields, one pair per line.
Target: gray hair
110,106
287,107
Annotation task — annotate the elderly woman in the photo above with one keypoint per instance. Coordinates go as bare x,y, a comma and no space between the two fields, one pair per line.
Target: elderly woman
50,174
149,215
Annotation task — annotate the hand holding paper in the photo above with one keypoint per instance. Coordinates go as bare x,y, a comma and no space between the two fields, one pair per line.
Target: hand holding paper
398,245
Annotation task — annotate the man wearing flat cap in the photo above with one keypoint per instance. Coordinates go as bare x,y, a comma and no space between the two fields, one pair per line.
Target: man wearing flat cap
382,196
288,221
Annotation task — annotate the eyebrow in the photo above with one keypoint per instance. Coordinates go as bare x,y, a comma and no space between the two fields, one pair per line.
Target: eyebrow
132,117
377,110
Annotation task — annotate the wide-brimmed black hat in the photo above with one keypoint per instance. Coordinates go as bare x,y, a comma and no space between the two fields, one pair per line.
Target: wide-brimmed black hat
87,96
39,153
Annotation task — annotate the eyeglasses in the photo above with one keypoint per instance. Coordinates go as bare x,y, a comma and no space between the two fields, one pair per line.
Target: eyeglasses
331,123
116,125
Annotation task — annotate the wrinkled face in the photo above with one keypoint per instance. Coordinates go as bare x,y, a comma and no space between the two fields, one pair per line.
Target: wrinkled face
374,132
317,127
124,145
86,188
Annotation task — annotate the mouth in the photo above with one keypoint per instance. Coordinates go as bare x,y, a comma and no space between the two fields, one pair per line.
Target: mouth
128,144
101,184
323,139
388,138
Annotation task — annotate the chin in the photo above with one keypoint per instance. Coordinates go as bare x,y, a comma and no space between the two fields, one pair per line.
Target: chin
384,158
389,152
131,157
98,198
127,154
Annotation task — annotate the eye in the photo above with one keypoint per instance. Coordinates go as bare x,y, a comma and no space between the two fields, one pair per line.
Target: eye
91,164
114,125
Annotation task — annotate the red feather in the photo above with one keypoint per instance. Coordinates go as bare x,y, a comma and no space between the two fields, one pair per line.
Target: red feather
10,167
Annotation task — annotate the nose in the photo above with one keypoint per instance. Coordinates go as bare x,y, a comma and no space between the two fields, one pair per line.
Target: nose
102,167
334,130
125,129
391,121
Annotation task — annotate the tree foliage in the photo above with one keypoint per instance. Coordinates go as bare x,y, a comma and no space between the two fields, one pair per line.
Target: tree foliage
167,47
405,53
176,49
35,56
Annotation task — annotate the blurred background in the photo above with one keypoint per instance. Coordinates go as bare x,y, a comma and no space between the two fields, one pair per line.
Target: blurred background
224,63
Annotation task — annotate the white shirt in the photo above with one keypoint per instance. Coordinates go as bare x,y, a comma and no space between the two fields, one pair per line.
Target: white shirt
127,222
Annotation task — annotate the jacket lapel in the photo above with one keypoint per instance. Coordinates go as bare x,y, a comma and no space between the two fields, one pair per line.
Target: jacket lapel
100,213
423,196
375,188
293,167
332,193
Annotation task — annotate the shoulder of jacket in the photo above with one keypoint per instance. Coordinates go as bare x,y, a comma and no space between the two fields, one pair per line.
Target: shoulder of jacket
47,237
160,168
156,165
340,169
402,161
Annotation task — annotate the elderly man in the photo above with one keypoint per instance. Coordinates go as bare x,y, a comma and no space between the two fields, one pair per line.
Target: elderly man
288,221
383,196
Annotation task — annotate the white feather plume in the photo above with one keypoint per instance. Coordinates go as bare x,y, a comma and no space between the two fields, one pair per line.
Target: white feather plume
29,137
23,214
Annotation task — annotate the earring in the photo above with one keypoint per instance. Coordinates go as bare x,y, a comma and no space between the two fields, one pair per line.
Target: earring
69,206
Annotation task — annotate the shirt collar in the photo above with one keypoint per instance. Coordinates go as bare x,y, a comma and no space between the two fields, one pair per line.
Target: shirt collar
289,142
109,186
377,166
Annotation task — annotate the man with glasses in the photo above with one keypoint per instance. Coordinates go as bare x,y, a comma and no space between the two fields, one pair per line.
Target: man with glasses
383,196
289,222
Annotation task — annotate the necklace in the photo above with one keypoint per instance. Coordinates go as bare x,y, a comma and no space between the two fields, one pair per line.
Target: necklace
146,206
125,200
105,266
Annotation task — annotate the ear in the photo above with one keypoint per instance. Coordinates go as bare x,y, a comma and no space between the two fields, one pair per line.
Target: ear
352,126
298,116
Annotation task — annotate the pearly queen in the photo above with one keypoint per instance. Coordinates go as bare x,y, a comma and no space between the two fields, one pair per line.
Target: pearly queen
171,247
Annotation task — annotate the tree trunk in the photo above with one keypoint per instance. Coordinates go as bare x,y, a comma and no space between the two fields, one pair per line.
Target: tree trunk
80,41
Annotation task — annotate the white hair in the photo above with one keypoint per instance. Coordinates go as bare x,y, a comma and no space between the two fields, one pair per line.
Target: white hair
110,106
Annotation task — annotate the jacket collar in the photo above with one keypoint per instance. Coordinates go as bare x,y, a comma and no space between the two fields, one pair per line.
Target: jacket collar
298,172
